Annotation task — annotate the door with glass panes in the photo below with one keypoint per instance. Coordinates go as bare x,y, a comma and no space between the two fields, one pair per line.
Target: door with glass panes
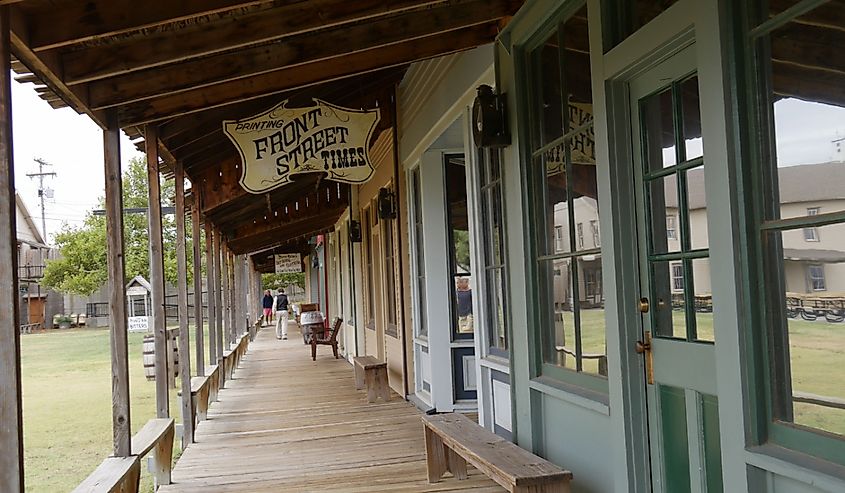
676,305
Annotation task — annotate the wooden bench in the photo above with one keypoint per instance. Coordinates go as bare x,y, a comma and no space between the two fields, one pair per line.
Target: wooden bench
372,373
30,328
114,475
156,436
452,440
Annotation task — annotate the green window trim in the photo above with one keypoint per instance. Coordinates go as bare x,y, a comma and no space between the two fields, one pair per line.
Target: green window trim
595,387
768,380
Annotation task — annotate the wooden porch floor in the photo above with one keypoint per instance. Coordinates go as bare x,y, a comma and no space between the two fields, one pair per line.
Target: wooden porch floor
287,424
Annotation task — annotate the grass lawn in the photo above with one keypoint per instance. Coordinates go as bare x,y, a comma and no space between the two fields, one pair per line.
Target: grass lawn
817,354
67,405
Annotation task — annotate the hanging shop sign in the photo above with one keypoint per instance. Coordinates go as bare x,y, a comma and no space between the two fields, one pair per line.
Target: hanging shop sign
284,142
288,263
582,145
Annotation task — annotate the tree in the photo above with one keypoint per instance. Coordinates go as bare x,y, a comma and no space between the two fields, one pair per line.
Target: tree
276,281
81,266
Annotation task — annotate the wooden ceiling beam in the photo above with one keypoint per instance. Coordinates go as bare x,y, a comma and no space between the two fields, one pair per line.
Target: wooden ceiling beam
89,20
325,47
283,22
48,70
305,75
245,245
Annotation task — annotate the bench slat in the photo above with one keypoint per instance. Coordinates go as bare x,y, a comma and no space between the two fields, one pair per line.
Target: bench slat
498,458
368,362
109,475
146,438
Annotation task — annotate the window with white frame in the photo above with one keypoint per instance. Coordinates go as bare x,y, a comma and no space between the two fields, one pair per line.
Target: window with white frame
419,253
594,229
815,274
493,244
671,229
558,238
580,235
811,234
677,277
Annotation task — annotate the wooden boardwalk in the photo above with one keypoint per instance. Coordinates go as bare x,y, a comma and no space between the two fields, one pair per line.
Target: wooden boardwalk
287,424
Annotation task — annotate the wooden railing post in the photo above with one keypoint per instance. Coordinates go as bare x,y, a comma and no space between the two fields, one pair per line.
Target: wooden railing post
197,266
227,299
157,272
218,304
211,289
117,291
182,302
11,421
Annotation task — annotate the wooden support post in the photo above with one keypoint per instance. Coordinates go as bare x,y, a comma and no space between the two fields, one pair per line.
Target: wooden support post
197,266
210,288
117,290
218,302
227,299
182,301
11,420
162,371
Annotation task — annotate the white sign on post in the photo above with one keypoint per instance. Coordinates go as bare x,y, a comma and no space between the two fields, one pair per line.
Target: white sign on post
139,324
283,142
288,263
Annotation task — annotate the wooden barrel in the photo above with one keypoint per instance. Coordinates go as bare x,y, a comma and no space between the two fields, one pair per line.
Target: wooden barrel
150,359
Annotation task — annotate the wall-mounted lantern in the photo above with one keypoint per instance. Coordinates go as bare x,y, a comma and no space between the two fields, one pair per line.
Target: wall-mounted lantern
386,204
489,119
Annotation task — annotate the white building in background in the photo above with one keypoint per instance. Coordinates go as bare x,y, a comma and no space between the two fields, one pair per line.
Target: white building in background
37,304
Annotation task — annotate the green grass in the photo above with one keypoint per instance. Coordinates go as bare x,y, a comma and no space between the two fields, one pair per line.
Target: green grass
817,353
67,405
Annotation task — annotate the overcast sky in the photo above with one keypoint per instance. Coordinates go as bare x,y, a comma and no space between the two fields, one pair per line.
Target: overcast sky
72,143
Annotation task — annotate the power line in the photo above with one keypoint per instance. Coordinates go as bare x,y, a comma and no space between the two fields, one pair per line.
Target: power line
41,174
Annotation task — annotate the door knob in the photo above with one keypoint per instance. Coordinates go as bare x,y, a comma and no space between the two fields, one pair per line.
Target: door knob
644,305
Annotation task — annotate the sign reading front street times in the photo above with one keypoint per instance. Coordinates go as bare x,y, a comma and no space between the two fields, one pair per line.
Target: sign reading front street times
288,263
283,142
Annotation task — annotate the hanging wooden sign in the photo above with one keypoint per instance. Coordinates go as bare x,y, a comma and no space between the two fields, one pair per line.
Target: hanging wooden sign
283,142
288,263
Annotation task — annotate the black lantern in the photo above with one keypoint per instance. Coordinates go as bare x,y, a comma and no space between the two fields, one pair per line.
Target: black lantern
489,119
386,204
355,235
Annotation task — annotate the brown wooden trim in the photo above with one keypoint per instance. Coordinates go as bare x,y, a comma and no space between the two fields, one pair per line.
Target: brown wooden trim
323,45
156,248
308,74
85,21
287,22
11,431
211,288
182,302
122,435
197,269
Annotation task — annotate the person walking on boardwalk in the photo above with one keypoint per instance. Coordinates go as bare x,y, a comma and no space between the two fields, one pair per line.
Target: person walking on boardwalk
280,306
267,307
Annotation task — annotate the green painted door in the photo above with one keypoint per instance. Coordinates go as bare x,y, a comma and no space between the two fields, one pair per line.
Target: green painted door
676,307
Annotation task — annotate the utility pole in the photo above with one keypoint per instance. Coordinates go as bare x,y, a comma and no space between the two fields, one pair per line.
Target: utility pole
41,174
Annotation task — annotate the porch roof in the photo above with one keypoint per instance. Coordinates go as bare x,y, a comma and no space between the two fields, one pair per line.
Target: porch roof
186,66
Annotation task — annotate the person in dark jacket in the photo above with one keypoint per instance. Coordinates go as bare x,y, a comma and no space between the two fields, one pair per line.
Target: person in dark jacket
280,306
267,306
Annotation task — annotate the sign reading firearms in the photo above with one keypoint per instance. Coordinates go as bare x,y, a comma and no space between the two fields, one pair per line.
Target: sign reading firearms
288,263
283,142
